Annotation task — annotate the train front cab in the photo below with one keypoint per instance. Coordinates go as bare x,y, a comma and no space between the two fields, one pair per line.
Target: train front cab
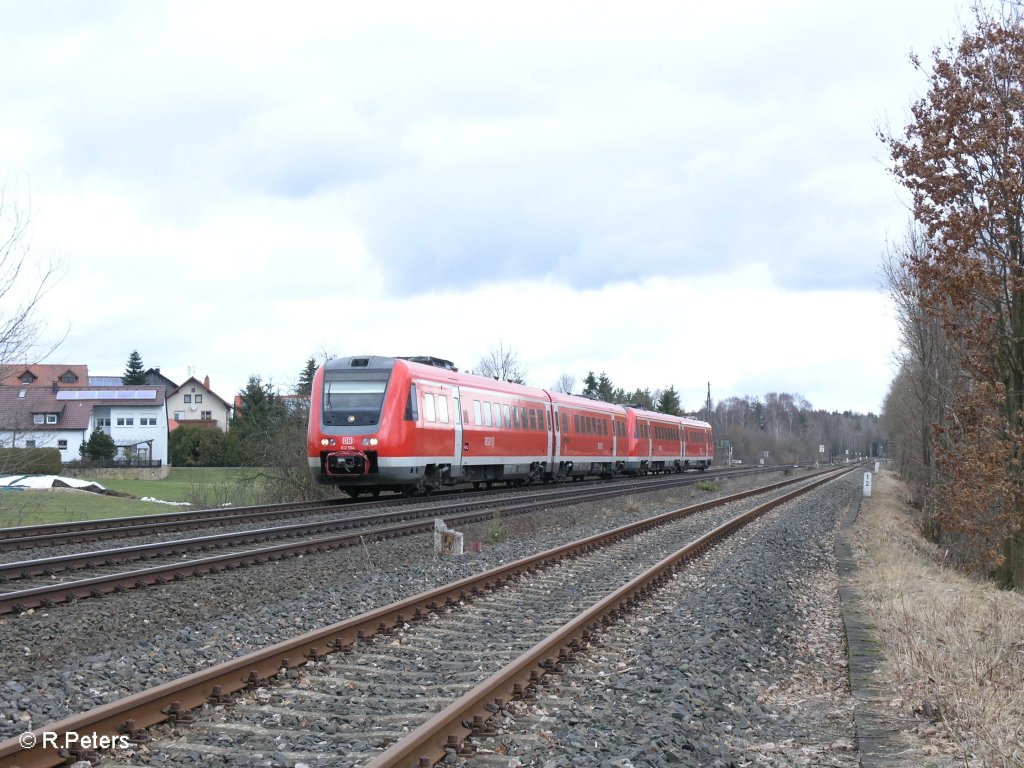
356,422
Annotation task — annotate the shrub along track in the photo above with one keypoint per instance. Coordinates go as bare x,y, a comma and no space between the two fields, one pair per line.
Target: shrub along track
39,585
575,593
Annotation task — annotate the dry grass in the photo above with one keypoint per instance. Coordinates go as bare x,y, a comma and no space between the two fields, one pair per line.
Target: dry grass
953,647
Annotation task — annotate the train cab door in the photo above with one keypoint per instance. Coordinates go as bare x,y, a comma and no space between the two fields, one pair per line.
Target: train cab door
457,423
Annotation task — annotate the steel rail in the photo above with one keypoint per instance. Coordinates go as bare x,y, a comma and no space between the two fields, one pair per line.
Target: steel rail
50,534
49,595
448,730
47,566
175,700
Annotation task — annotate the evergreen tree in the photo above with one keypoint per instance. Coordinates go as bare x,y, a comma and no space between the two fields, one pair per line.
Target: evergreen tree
669,402
305,385
135,373
99,447
590,385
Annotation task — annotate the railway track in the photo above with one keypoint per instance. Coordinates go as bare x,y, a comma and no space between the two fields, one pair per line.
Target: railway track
40,586
568,579
84,531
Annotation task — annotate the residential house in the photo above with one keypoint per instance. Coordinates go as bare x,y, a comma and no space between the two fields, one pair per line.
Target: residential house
63,417
157,379
195,403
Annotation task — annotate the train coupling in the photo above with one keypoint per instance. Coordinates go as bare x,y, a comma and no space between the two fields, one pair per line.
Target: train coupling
347,463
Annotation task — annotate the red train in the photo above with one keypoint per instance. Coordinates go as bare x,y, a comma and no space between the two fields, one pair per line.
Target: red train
417,424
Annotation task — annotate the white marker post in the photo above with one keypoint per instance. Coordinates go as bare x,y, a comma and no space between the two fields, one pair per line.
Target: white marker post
876,466
867,484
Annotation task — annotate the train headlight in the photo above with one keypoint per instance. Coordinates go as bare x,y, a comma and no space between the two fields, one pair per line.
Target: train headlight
325,441
370,441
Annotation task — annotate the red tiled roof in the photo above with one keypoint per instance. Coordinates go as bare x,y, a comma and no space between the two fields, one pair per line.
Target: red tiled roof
46,375
16,411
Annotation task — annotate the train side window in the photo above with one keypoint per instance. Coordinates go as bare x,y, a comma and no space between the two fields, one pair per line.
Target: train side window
497,415
523,417
565,422
487,414
476,413
576,422
533,419
508,418
442,409
515,417
412,413
428,408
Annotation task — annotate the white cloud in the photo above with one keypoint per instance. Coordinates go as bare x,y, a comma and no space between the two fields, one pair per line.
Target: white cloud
673,193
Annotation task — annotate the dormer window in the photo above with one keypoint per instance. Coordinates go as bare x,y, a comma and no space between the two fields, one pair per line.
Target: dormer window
27,377
69,378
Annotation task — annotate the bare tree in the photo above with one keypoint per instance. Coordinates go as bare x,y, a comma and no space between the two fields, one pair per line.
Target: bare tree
24,280
501,363
962,159
565,383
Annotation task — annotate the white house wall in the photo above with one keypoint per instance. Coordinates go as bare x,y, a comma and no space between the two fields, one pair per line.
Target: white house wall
48,439
136,433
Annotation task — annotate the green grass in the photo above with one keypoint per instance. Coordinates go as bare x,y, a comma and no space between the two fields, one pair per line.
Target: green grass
201,486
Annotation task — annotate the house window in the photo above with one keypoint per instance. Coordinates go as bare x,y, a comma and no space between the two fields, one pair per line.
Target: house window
69,378
102,422
30,443
179,415
147,421
188,398
126,421
62,445
208,415
27,378
199,398
51,418
38,418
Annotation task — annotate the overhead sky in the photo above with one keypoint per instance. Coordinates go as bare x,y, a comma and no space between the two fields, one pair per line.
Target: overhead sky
675,193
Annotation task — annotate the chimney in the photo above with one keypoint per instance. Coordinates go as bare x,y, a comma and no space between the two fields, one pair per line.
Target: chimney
206,382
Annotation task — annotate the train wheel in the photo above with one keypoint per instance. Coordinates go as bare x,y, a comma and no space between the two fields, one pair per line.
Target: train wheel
354,493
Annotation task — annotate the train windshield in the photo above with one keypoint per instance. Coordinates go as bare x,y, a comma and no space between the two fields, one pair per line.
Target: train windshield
354,398
339,395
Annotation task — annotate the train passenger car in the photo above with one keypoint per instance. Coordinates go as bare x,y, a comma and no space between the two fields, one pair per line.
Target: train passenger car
417,424
389,423
659,442
698,447
590,437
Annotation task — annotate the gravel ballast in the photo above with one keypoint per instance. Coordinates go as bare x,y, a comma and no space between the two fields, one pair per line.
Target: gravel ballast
67,659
